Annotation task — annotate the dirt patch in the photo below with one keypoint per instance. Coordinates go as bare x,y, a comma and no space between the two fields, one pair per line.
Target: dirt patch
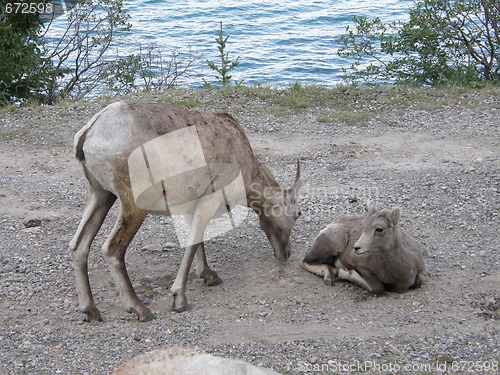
439,166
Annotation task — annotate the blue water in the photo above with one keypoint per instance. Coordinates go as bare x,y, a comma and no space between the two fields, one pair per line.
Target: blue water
279,42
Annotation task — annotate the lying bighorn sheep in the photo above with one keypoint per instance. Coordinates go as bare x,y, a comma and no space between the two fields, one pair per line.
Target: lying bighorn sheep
370,250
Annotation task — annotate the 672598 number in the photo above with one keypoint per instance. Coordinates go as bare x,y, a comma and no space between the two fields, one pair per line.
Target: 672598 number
27,8
473,366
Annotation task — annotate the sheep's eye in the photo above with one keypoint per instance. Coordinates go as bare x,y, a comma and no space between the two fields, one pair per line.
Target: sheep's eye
379,230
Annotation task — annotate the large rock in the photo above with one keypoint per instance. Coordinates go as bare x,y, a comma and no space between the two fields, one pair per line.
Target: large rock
179,361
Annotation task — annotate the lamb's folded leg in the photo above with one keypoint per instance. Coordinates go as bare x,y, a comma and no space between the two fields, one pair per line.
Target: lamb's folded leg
325,270
371,285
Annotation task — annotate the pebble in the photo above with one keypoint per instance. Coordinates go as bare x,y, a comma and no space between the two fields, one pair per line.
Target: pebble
32,223
152,247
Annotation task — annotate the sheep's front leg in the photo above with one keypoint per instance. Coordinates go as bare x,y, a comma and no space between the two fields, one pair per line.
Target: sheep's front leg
325,270
178,288
354,277
204,212
364,279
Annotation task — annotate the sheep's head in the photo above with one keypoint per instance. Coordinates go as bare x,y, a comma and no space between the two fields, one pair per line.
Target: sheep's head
379,230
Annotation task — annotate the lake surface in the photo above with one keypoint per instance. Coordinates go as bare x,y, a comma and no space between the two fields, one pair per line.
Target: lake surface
279,42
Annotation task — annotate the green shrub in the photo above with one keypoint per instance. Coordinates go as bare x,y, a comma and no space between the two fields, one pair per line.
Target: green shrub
443,42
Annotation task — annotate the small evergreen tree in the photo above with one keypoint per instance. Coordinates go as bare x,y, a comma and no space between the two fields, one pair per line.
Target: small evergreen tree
226,65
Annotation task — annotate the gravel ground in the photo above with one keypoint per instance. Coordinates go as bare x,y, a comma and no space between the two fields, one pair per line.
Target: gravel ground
433,154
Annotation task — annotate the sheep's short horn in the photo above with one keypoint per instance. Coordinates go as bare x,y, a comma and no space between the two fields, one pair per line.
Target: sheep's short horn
297,176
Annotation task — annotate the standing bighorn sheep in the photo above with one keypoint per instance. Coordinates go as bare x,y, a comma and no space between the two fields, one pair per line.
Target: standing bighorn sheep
370,250
142,154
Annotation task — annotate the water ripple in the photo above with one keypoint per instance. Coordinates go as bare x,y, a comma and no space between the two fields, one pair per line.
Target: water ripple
279,42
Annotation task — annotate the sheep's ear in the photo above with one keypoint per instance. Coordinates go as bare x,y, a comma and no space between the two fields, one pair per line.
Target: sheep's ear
394,217
372,209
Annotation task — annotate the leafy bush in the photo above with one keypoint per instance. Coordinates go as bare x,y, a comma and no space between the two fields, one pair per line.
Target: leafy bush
149,70
93,27
32,69
79,61
25,72
443,42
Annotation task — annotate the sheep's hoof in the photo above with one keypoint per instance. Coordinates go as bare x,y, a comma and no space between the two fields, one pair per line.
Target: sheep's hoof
143,313
211,278
180,303
418,282
329,282
92,315
181,309
88,320
215,282
148,318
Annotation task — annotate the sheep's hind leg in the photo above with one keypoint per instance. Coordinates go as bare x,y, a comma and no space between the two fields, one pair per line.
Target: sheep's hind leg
98,205
324,270
203,270
114,248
